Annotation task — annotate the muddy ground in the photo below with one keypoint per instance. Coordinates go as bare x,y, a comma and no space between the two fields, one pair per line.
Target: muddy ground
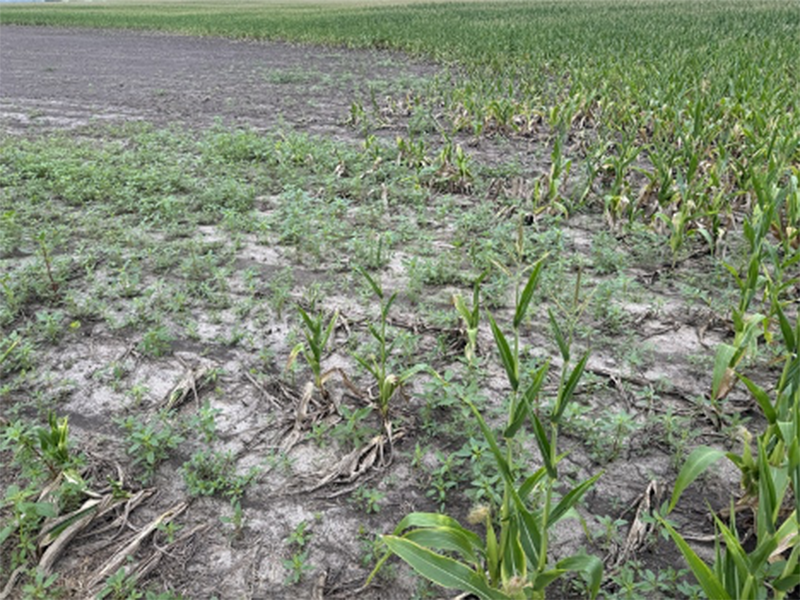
54,79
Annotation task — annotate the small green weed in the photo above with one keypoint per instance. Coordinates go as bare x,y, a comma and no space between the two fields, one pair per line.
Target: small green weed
209,473
150,442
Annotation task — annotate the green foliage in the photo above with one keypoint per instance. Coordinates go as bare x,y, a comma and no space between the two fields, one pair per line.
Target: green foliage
297,564
120,586
211,472
354,429
471,318
41,587
677,119
150,442
693,96
43,453
388,384
16,354
770,476
369,499
513,564
317,335
156,341
26,516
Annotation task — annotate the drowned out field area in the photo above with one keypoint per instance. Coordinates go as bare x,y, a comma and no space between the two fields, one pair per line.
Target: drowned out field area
383,300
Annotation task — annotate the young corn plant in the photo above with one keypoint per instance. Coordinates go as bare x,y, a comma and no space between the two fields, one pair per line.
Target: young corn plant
547,191
44,453
377,365
771,481
471,318
317,336
512,560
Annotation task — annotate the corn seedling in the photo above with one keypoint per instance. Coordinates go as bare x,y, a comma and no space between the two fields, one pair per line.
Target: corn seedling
42,240
387,383
42,452
547,191
317,336
471,319
451,170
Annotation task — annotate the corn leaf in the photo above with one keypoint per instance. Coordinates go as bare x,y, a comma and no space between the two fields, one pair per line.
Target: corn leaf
310,323
590,567
711,585
699,460
786,329
542,580
570,499
388,305
300,347
762,398
375,287
787,584
792,375
533,534
566,392
433,520
767,498
530,483
514,557
508,359
527,294
545,448
517,419
735,552
722,364
530,534
562,344
524,403
445,538
462,309
442,570
330,329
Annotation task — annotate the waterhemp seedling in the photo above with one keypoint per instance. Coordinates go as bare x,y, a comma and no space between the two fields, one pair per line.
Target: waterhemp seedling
297,564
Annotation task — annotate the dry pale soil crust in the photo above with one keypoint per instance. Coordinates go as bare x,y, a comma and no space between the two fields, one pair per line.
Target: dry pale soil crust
66,79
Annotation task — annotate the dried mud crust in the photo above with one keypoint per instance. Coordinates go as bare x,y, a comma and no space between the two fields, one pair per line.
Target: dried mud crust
67,77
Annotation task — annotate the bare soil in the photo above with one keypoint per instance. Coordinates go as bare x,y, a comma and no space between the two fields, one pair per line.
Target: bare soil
68,77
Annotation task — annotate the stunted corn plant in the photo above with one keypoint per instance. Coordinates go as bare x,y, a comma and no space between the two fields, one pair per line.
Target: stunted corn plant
471,318
386,382
317,335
